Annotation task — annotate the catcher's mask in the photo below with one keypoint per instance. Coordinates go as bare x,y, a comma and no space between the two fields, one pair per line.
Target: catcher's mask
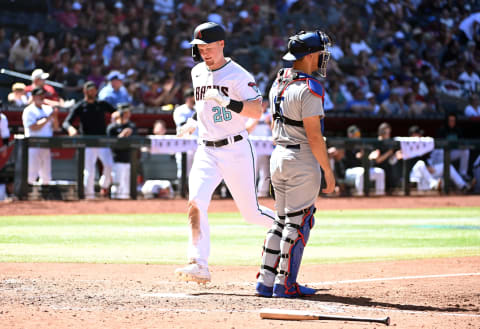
304,43
205,33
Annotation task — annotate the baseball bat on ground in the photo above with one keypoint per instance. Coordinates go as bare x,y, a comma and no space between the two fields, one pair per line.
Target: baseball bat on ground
27,77
279,314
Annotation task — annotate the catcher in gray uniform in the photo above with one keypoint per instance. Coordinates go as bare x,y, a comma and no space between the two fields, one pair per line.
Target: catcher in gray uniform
297,99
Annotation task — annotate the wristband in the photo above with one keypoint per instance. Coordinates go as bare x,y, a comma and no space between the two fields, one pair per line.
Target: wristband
235,106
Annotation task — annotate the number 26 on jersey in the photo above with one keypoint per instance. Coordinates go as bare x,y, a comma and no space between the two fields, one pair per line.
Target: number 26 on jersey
221,114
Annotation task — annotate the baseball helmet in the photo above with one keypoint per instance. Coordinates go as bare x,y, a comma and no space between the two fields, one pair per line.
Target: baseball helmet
304,43
205,33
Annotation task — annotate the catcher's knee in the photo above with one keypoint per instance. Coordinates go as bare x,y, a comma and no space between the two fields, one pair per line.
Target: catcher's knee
194,219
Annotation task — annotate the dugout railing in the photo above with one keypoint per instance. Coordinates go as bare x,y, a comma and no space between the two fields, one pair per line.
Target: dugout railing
263,145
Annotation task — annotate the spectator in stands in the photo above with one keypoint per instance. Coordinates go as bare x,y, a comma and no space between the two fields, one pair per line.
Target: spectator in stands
414,107
354,170
91,113
5,46
451,131
23,53
470,79
74,80
39,120
336,95
111,37
121,127
161,92
473,107
359,104
373,103
393,105
17,97
50,97
115,92
386,157
96,76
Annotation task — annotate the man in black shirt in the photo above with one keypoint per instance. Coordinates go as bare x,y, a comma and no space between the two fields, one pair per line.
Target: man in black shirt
354,167
451,131
91,113
121,127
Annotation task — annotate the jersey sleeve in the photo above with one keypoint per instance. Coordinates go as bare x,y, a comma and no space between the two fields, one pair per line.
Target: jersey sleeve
107,107
71,116
312,105
28,118
246,88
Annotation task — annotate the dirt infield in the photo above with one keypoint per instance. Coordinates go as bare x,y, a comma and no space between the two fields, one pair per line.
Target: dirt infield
434,293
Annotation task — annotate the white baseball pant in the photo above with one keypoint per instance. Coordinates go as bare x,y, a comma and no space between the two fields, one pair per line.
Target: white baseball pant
91,156
121,180
39,165
376,174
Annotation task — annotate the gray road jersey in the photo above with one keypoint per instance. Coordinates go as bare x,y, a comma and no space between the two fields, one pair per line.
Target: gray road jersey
298,103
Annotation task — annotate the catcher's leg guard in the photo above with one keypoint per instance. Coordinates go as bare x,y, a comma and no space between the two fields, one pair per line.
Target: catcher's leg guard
295,237
270,257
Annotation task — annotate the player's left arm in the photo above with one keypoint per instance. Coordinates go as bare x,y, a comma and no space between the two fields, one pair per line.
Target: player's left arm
252,109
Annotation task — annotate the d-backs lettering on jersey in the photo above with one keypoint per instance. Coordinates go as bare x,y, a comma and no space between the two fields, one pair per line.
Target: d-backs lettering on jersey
214,121
200,91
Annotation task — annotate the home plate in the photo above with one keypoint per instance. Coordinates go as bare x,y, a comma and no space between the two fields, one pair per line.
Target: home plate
168,295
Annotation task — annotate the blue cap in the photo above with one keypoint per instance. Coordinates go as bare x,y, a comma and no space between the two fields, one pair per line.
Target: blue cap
304,43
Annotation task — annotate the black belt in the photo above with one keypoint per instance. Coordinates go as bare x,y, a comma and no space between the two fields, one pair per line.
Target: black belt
293,146
222,142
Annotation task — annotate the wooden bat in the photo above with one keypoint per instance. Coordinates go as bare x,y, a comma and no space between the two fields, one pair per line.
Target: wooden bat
279,314
29,78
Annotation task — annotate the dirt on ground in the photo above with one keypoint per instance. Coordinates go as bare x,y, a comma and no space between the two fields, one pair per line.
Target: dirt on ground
427,293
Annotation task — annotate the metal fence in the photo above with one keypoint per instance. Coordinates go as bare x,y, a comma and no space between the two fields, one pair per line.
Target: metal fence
263,145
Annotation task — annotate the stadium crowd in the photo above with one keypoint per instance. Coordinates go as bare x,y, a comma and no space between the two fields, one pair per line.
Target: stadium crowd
395,58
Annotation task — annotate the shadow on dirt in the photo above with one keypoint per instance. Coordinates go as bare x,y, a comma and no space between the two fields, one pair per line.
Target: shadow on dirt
365,301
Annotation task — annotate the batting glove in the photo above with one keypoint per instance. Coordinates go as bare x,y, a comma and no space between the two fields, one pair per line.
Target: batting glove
188,128
214,95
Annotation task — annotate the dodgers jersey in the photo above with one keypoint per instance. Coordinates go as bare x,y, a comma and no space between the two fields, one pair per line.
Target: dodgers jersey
298,103
214,121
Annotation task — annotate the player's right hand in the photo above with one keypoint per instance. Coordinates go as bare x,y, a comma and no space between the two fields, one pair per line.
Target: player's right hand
188,128
214,95
72,131
330,182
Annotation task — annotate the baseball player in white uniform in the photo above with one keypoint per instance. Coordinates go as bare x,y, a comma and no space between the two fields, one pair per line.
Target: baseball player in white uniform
297,102
39,120
226,96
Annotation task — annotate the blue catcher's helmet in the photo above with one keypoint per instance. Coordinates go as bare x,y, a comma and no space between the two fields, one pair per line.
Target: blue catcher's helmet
304,43
206,33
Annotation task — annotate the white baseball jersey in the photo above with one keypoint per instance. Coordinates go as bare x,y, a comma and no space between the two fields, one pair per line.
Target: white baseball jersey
233,162
32,114
182,114
232,80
